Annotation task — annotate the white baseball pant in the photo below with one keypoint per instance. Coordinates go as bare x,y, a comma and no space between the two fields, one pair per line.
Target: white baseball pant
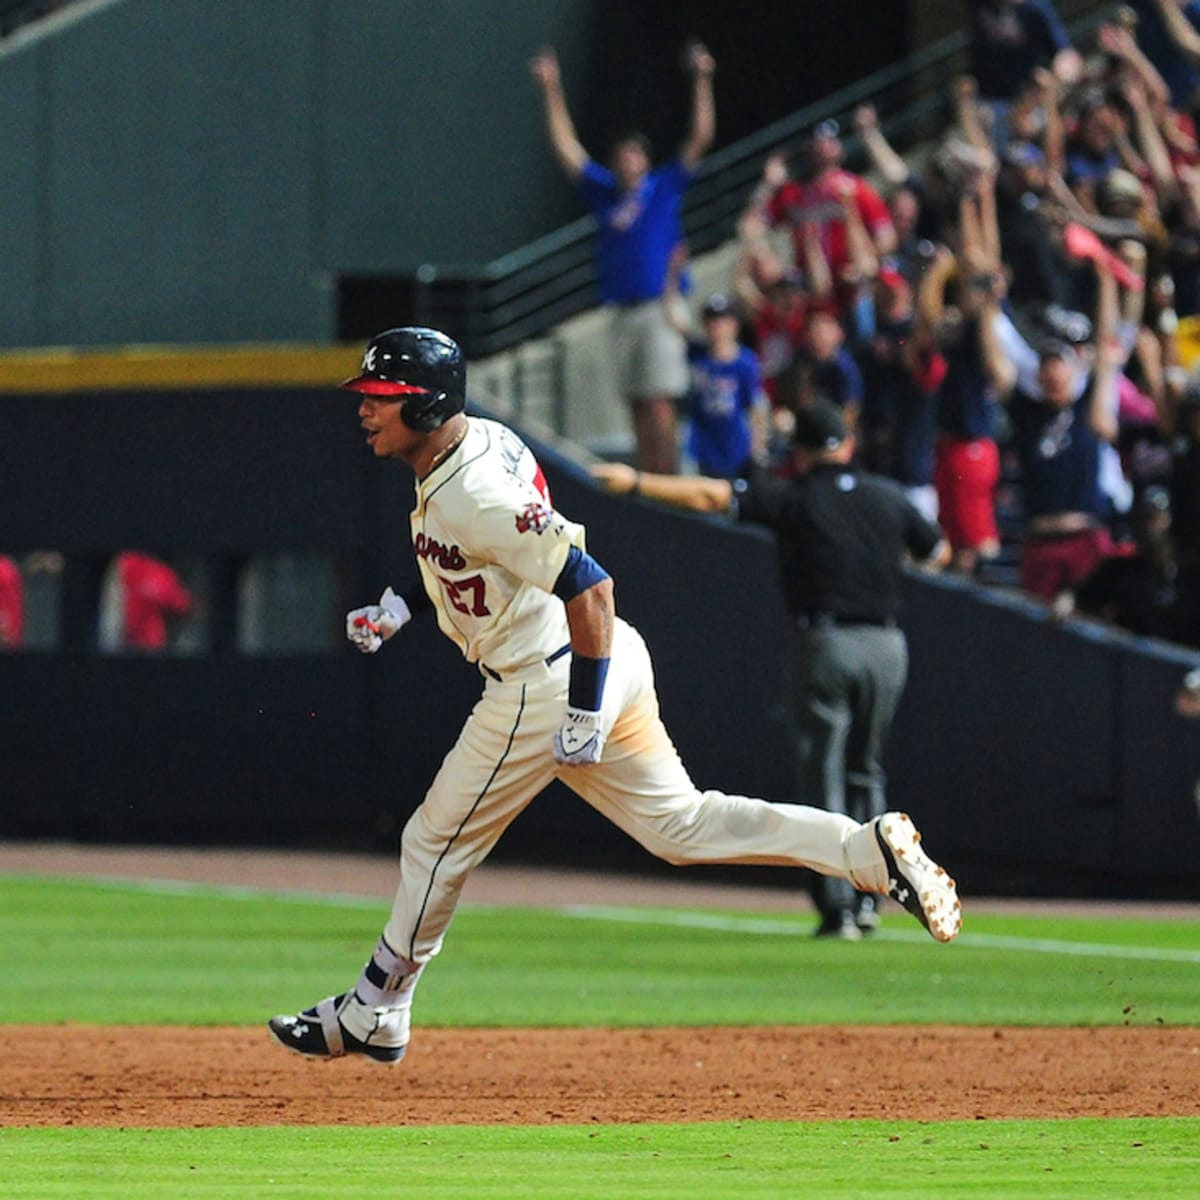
503,759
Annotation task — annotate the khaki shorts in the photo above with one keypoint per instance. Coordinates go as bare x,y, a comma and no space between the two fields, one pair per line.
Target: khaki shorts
649,355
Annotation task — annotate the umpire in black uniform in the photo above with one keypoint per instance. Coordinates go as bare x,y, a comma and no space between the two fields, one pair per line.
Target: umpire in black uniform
843,537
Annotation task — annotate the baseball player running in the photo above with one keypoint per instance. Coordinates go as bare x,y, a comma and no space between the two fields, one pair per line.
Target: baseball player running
568,693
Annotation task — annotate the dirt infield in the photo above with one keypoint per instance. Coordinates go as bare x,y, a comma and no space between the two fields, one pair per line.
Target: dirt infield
200,1077
134,1076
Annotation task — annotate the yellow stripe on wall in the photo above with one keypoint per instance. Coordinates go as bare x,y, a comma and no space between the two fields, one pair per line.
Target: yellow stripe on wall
67,369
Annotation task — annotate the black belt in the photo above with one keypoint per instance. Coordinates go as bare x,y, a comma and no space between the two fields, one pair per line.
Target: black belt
548,660
829,620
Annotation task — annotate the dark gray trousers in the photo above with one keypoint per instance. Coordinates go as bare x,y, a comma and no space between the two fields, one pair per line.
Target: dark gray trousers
846,684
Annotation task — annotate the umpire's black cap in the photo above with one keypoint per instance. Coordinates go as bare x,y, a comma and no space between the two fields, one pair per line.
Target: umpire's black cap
819,426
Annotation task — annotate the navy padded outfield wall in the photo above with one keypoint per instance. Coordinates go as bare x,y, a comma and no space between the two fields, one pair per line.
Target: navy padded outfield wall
1042,759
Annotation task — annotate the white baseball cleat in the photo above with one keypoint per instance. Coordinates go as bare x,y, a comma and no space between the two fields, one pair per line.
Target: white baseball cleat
915,880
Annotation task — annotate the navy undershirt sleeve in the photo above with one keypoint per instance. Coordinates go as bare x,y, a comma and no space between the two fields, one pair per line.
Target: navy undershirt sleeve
580,572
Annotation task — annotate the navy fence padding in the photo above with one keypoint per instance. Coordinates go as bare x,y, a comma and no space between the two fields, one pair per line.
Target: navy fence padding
1039,758
1039,752
1157,831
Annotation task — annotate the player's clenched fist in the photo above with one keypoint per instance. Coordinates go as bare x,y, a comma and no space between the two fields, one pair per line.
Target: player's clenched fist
369,627
580,741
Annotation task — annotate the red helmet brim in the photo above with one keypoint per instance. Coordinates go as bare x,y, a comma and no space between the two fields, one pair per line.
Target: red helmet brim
382,387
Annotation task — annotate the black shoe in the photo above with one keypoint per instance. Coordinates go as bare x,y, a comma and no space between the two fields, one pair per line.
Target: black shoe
915,880
840,925
318,1032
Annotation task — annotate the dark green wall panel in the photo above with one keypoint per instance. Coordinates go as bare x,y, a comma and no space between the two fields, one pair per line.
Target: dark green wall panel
200,171
20,188
434,135
205,170
181,150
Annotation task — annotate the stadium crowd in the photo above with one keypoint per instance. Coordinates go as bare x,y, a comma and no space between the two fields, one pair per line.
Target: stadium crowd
1005,318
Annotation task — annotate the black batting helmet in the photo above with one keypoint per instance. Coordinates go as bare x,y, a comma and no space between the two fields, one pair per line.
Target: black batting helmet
423,367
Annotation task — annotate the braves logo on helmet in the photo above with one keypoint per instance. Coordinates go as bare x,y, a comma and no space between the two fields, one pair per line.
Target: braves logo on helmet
534,517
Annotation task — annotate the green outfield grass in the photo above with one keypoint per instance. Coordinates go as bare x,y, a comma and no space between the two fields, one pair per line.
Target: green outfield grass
1082,1160
197,955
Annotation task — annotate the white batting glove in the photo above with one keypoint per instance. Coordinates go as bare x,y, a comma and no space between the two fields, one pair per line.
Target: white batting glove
368,628
580,741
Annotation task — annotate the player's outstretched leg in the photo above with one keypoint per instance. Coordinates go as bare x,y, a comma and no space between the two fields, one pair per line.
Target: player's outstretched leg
910,876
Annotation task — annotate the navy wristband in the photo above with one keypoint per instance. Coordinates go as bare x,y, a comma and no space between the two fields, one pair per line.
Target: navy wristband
586,687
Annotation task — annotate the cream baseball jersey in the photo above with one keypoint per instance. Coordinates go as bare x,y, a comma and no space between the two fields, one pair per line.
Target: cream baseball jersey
490,548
